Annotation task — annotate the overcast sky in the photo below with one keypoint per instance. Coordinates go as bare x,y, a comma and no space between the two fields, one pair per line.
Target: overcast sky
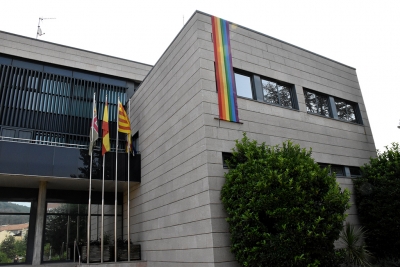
362,34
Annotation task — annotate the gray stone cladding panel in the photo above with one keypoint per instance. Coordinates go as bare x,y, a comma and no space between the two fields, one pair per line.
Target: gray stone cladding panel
314,78
170,209
332,141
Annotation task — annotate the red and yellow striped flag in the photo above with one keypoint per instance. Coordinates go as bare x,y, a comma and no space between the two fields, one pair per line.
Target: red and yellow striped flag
106,137
124,126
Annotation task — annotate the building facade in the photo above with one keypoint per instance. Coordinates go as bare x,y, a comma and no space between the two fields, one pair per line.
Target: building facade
284,92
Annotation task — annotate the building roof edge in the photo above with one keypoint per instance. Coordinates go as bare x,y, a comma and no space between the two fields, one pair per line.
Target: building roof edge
276,39
30,38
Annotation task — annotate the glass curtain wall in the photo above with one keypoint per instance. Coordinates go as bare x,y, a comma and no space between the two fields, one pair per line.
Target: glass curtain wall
14,229
67,223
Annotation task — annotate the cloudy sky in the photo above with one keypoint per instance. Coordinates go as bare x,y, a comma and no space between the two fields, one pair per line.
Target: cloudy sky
362,34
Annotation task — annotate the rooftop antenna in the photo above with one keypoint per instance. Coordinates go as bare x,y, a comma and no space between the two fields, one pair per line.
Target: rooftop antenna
39,30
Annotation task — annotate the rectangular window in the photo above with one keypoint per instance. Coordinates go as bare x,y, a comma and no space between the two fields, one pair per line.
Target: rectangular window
277,93
338,169
317,103
66,222
252,86
345,110
226,156
329,106
14,229
243,85
355,171
135,143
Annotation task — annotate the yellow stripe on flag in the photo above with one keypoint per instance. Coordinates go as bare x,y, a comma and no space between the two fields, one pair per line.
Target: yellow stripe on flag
124,126
106,136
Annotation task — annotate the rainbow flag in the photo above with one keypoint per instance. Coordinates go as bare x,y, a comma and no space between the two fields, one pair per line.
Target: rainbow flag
224,71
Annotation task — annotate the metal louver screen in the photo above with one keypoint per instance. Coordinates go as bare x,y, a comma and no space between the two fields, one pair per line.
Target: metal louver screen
55,107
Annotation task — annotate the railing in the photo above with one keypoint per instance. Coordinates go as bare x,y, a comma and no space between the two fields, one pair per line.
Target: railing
41,142
52,143
76,248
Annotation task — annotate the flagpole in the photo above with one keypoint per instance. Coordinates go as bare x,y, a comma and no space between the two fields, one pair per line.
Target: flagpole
102,202
129,149
115,198
90,185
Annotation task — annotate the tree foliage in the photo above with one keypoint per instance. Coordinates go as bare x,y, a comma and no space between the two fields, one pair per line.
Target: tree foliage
355,251
283,209
378,202
10,247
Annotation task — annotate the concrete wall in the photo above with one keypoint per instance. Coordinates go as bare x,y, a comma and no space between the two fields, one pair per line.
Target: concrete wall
34,49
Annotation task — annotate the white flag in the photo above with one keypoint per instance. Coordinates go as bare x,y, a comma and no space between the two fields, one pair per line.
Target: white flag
94,129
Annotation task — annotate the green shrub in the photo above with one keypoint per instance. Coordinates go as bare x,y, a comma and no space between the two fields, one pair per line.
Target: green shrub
283,209
355,250
378,202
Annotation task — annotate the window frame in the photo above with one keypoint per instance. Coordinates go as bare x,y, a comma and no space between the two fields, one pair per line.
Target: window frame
279,83
333,113
251,76
226,156
257,89
355,109
306,90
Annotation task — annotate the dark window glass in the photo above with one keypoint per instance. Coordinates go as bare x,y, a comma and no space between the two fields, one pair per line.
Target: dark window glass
226,156
338,169
25,134
270,91
243,85
323,165
66,223
355,171
8,132
285,96
345,110
316,103
277,93
135,143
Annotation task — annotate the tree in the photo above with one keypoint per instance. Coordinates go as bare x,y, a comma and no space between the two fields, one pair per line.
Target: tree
283,209
378,202
20,248
3,258
8,247
11,247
